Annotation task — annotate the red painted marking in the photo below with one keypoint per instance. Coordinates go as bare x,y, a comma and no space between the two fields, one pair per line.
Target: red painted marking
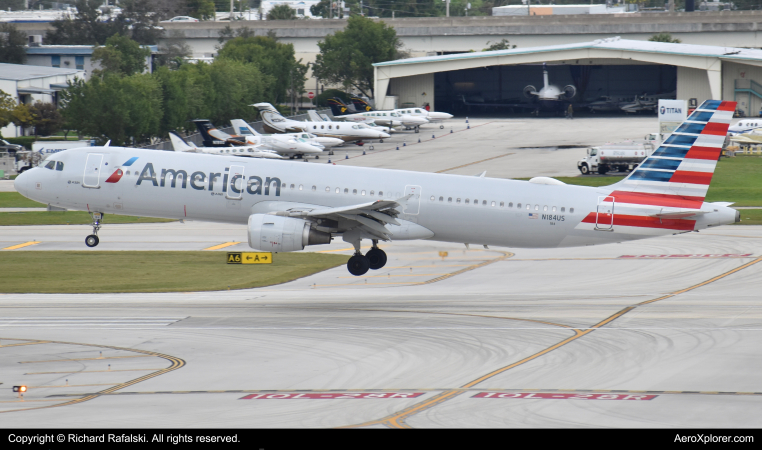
185,211
644,198
331,395
643,221
708,153
698,255
560,396
727,106
715,128
116,176
684,176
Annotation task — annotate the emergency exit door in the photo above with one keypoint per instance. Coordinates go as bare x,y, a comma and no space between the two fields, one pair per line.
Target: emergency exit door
92,171
413,204
604,216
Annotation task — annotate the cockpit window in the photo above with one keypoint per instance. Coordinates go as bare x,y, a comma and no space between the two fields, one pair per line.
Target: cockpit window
50,165
59,166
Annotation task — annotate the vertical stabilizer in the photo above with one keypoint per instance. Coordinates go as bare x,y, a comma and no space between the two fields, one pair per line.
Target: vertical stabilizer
179,144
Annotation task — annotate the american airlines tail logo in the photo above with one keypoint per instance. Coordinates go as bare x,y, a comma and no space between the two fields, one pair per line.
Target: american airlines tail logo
117,175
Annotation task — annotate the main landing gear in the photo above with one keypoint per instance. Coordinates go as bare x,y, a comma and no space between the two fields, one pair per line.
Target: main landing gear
92,240
359,264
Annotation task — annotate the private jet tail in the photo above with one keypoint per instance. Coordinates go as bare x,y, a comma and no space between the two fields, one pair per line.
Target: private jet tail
314,116
243,128
678,173
338,108
360,104
179,144
206,129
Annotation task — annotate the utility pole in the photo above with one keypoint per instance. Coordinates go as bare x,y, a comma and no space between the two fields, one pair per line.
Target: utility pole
448,7
231,11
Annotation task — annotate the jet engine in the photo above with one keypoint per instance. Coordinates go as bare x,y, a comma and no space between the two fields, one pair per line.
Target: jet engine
283,234
529,90
570,91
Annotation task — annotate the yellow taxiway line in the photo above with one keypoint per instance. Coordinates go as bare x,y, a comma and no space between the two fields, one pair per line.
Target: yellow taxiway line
223,245
25,244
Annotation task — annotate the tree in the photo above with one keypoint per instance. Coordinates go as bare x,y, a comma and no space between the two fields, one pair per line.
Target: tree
271,57
281,12
664,37
142,20
502,45
123,109
321,9
347,57
47,118
201,9
7,103
12,44
173,51
120,55
22,116
87,27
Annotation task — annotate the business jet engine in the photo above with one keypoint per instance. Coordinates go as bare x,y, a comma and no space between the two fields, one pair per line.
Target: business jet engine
569,91
529,91
269,232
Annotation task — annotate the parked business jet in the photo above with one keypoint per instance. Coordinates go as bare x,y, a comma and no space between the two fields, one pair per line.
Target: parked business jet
284,145
383,118
745,126
431,116
550,97
315,117
179,144
244,129
289,205
275,123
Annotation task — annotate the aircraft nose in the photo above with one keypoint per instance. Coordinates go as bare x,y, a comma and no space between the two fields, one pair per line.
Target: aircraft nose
384,135
22,183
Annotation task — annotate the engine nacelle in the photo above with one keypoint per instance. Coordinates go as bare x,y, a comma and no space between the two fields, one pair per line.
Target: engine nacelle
283,234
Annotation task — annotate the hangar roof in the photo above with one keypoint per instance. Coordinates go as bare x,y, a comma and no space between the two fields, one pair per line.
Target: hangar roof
20,72
615,43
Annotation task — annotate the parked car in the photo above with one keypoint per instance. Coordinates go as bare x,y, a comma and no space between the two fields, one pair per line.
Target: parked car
10,148
181,19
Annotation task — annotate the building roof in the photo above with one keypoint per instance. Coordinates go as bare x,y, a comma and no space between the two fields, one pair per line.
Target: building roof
73,50
20,72
615,43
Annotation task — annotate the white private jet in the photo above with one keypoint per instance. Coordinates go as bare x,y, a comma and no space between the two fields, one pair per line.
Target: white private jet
348,132
745,126
384,118
283,144
315,117
179,144
289,206
318,141
430,116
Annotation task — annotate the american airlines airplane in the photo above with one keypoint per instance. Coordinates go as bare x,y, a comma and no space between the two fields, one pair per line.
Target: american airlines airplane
290,205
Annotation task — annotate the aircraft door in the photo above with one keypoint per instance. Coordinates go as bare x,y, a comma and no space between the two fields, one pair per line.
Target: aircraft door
92,170
413,203
236,183
604,216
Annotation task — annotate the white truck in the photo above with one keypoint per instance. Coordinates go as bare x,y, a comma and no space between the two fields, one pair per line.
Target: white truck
614,157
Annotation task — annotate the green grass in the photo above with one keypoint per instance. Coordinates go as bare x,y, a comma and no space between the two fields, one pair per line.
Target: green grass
67,218
106,272
16,200
751,217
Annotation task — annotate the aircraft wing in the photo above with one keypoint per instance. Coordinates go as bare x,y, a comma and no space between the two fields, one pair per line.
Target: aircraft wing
371,217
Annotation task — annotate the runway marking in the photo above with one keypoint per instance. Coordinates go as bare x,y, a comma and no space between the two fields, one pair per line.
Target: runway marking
338,396
29,401
84,359
74,372
475,162
25,244
223,245
22,343
397,420
176,363
70,385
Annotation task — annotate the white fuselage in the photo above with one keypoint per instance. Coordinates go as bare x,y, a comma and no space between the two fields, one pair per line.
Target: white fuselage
452,208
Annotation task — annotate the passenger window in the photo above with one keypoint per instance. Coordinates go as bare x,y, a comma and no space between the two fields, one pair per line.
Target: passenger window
59,166
362,193
510,205
554,209
502,204
432,198
484,203
536,207
330,127
449,199
322,127
529,206
128,172
346,190
50,165
518,205
338,190
301,187
441,199
314,127
371,193
466,201
327,189
354,191
493,204
380,193
457,200
292,186
571,210
544,208
337,127
314,188
476,202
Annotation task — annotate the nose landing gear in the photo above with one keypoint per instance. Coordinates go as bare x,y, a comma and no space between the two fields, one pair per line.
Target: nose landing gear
92,240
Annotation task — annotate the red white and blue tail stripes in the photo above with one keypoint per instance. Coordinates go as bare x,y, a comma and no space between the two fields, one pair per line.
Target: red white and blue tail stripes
675,178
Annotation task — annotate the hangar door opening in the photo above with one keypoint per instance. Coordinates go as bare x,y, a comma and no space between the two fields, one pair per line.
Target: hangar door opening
499,87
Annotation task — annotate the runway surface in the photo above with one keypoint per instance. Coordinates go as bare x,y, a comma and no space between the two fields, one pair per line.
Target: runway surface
658,333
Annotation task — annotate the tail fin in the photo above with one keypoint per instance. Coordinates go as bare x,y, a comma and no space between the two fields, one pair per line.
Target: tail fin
678,173
243,128
179,144
338,108
314,116
206,129
361,105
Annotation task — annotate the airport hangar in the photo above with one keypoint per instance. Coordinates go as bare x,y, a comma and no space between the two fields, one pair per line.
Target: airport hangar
613,67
